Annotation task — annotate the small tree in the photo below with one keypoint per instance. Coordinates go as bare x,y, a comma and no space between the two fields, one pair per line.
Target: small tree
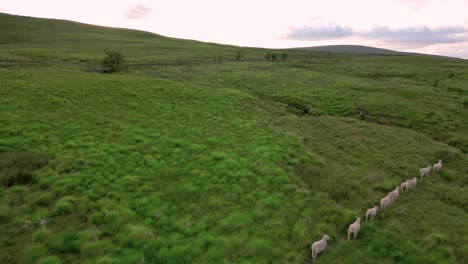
284,56
113,61
268,56
274,56
239,54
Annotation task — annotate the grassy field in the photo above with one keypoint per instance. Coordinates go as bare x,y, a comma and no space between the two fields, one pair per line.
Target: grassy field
223,162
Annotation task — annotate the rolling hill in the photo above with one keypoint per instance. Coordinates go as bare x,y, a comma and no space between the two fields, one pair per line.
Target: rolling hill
223,161
356,49
51,39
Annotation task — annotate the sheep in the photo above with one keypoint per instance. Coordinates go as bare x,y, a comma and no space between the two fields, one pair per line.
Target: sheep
319,246
395,193
436,167
354,228
389,195
425,171
412,183
385,203
404,186
372,212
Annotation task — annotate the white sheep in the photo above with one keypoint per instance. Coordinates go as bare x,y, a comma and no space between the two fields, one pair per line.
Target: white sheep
412,183
436,167
425,171
371,212
385,202
394,194
390,196
319,246
404,186
354,228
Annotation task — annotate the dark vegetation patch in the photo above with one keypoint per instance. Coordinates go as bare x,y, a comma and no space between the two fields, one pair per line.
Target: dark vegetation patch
296,106
447,155
307,171
18,168
363,112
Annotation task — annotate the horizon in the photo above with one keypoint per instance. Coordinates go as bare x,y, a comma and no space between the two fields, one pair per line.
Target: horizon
281,24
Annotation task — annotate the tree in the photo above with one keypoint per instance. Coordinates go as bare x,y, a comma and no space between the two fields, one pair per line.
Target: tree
268,56
274,56
113,61
239,54
284,56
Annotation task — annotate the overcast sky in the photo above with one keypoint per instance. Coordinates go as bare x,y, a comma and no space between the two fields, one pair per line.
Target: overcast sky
427,26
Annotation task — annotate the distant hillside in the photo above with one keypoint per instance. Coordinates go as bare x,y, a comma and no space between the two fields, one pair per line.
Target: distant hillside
24,37
356,49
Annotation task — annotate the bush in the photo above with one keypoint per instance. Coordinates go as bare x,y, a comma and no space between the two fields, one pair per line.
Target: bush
18,168
239,54
113,61
274,56
284,56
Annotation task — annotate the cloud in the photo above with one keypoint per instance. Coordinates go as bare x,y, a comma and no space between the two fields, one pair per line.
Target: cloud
418,36
137,12
320,32
413,4
459,50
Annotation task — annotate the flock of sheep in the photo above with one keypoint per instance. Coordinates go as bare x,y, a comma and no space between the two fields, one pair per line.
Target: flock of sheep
353,229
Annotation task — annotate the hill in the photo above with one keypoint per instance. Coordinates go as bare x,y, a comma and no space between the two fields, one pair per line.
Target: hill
51,39
223,161
355,49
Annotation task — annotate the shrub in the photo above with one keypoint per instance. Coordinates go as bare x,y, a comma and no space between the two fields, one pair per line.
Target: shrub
268,56
18,168
274,56
239,54
113,61
284,56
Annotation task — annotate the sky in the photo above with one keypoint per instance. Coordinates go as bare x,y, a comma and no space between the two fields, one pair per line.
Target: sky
426,26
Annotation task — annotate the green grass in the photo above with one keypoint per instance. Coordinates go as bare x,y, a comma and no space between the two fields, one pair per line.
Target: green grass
220,163
66,41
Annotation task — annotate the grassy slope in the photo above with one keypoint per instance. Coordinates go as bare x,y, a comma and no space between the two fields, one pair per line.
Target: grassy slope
26,37
354,49
209,163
